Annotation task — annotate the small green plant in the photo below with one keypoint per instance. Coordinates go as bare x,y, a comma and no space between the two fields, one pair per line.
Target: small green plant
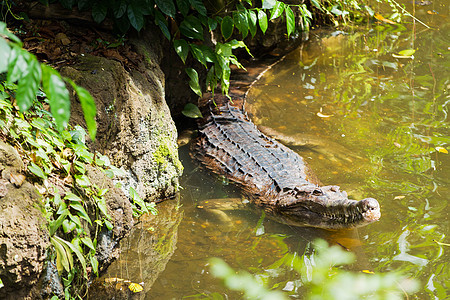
23,68
321,276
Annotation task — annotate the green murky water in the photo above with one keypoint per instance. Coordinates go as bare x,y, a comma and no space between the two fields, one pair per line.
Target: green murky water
374,124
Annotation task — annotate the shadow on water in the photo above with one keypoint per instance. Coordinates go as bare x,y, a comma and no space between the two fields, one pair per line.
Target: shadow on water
372,123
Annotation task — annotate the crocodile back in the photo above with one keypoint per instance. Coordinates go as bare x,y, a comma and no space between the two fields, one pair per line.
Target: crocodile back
229,144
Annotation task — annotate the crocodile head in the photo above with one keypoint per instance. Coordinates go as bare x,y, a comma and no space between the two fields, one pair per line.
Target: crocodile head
326,207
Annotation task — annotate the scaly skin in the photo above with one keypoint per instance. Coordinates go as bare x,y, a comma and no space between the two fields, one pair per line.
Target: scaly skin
273,176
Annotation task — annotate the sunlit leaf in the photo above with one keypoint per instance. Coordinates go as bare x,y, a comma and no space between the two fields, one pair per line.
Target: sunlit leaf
57,94
268,4
290,20
368,272
262,20
277,10
5,50
252,20
36,170
241,22
135,287
64,260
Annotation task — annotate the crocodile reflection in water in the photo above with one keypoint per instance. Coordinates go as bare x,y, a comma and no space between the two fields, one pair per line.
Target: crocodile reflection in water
271,175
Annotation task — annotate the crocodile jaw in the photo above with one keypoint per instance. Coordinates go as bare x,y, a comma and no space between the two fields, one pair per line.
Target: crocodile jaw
328,208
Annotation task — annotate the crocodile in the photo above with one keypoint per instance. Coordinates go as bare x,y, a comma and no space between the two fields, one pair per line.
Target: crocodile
271,175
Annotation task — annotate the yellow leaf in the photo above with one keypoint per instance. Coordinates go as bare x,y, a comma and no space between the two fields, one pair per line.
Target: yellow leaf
383,19
441,149
323,116
399,197
442,244
368,272
135,287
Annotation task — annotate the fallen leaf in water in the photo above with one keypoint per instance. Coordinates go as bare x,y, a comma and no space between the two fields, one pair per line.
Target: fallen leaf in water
441,149
135,287
323,115
113,279
442,244
407,52
368,272
383,19
402,56
399,197
431,12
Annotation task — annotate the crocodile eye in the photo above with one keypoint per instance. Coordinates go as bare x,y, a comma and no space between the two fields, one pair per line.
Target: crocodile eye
317,192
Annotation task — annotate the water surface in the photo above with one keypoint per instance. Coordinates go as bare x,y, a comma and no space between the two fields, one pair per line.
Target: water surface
375,124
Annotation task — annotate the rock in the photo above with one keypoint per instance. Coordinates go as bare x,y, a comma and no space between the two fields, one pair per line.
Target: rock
24,238
135,129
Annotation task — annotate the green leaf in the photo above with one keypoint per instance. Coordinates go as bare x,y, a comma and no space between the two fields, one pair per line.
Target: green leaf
191,111
198,6
277,10
198,54
192,28
88,242
29,85
119,8
136,199
181,48
135,16
36,170
82,180
4,31
68,226
241,22
82,212
252,20
5,50
212,24
193,83
101,203
89,109
64,258
167,7
75,250
54,225
162,24
262,18
99,11
268,4
290,20
183,6
407,52
17,65
227,27
57,94
108,225
94,264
